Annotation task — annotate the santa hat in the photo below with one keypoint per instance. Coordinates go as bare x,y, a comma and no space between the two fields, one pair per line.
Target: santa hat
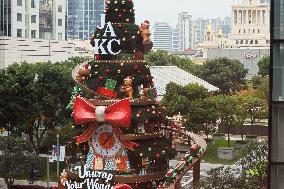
146,22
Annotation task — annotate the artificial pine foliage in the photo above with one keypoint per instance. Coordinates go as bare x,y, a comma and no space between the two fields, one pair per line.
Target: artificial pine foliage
124,74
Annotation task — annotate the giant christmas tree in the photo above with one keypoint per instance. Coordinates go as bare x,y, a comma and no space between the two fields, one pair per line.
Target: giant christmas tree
119,120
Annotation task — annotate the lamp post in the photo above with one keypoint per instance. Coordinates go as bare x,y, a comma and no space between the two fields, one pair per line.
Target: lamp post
58,154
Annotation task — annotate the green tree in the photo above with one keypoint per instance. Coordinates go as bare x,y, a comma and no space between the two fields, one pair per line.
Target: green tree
16,157
38,94
262,90
202,115
163,58
226,74
226,106
241,113
179,98
263,66
256,109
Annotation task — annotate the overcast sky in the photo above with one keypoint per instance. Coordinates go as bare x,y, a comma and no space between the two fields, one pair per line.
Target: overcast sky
167,10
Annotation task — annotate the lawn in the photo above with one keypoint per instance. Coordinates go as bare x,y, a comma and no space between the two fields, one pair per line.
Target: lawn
211,156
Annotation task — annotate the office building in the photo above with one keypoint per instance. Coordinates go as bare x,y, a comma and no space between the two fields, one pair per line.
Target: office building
175,40
83,17
162,36
43,19
276,160
250,24
184,27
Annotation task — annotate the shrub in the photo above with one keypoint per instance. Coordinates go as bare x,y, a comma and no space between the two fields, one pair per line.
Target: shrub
241,142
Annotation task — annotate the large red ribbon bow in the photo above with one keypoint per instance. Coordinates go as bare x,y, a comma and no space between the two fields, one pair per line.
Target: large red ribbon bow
117,114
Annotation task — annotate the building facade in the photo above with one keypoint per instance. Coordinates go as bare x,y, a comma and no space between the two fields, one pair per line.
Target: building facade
43,19
184,27
83,17
18,50
250,24
276,123
175,40
162,36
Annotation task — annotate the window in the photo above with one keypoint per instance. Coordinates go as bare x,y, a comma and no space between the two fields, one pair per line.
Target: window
278,72
244,31
59,36
279,20
239,30
253,30
256,42
246,41
278,131
33,34
19,32
33,4
251,42
33,19
59,22
19,17
242,42
277,176
258,30
19,2
59,8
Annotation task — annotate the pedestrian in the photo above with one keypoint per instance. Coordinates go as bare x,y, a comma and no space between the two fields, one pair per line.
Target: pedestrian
32,175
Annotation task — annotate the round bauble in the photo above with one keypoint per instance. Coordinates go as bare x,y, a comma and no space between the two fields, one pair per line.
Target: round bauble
158,156
127,20
149,149
116,10
115,2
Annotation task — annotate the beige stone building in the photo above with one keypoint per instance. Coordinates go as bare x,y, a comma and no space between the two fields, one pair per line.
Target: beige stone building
250,28
250,24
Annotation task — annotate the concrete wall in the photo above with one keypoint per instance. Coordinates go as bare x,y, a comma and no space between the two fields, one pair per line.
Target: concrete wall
239,54
16,50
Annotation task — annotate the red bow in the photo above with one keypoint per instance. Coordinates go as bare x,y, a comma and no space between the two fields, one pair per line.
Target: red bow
117,114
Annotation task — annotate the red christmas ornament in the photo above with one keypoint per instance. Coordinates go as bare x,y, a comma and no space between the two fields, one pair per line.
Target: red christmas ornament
124,10
158,156
136,67
119,15
107,70
155,143
101,78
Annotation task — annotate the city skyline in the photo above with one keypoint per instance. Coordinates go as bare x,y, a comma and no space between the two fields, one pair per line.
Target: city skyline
219,8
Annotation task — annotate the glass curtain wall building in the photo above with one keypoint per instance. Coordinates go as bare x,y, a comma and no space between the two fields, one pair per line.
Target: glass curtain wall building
276,168
83,17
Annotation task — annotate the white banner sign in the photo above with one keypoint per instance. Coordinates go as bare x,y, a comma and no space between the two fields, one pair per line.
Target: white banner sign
61,153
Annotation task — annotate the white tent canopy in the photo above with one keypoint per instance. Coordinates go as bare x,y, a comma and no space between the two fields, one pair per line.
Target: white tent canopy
163,75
